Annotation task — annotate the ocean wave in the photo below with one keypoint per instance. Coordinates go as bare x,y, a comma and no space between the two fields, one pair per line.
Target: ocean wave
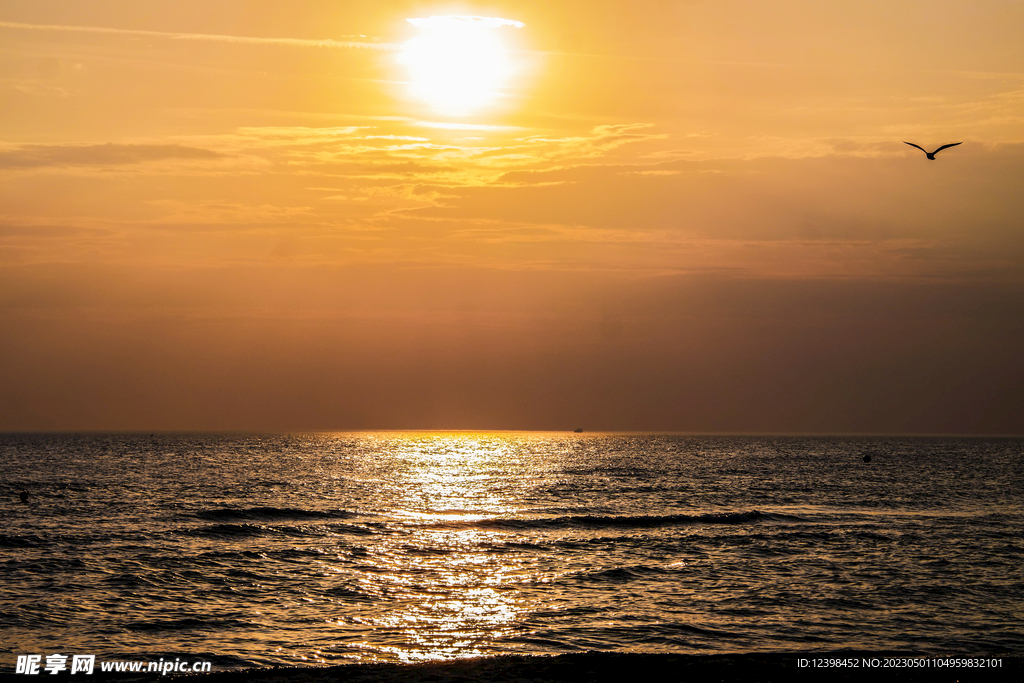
22,541
604,521
619,574
269,514
189,624
347,592
316,531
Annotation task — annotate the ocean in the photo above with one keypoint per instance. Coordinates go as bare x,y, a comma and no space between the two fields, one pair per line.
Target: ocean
319,549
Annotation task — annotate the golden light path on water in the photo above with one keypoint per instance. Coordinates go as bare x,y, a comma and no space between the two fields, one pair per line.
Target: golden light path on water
455,594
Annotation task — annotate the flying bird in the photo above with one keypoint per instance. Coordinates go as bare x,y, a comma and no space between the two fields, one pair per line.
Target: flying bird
931,155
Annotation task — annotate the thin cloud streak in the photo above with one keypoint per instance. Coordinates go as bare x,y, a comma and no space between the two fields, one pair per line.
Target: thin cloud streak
248,40
34,156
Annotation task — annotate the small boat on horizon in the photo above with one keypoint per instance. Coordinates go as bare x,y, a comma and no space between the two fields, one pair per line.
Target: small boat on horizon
578,430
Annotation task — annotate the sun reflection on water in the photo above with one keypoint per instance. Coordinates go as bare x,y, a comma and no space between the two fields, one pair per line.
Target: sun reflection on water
452,594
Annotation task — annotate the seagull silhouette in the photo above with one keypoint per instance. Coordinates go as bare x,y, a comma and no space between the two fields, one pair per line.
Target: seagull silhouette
931,155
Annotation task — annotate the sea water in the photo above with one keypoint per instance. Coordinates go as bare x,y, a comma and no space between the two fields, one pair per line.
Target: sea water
316,549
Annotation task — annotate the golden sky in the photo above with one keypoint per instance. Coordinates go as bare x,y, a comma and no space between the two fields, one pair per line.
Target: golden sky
658,215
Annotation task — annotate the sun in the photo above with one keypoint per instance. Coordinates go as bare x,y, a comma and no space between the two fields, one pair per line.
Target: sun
460,64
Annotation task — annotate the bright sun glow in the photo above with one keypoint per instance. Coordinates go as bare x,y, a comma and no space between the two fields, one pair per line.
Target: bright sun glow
460,63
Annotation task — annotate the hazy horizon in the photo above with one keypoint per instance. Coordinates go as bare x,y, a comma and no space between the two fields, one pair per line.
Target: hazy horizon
468,431
661,217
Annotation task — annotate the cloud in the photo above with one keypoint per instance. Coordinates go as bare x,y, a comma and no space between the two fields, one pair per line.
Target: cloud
36,231
210,215
444,158
38,156
247,40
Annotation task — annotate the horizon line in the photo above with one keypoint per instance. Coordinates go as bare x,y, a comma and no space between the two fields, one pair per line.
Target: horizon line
162,432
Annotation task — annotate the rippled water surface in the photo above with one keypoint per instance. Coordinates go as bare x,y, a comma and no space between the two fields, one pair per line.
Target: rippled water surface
326,548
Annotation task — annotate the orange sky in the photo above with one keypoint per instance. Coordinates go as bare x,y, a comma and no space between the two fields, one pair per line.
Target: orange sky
689,216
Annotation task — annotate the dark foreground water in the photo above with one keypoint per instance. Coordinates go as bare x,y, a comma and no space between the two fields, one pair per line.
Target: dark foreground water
328,548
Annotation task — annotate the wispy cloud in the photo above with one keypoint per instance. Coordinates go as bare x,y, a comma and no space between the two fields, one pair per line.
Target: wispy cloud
36,156
209,37
442,158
